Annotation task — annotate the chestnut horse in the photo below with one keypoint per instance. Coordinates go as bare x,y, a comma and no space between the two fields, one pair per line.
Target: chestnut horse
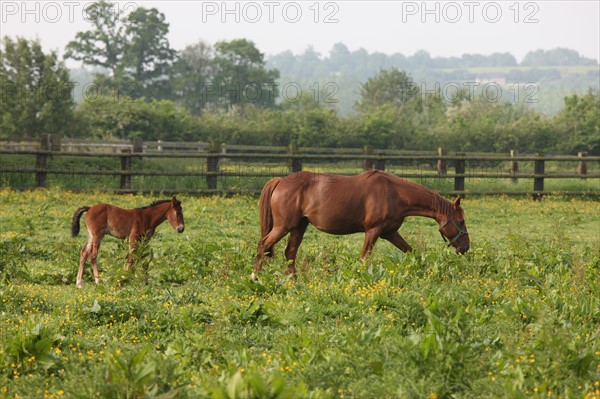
374,202
135,224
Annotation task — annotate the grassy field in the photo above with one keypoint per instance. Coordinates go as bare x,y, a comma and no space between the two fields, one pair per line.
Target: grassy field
517,316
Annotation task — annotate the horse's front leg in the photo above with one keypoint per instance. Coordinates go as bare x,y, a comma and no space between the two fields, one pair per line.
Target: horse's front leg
396,239
371,236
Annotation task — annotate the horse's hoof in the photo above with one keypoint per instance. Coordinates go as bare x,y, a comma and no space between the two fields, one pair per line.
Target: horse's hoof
253,277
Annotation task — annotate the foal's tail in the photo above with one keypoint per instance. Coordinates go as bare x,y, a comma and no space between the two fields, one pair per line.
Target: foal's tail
264,205
75,222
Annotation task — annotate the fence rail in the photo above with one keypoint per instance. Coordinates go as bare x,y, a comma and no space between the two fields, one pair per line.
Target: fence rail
283,160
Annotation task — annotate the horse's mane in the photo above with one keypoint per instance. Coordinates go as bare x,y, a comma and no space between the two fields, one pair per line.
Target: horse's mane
155,203
441,204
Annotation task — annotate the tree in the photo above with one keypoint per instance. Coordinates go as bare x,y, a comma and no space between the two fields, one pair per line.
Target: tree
104,45
192,75
37,95
578,123
317,127
125,119
389,86
148,55
133,48
556,57
241,77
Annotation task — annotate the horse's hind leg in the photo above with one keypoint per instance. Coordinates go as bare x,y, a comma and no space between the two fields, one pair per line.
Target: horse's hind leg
85,251
293,245
266,243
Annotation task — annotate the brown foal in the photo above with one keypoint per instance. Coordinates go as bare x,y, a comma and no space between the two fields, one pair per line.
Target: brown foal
134,224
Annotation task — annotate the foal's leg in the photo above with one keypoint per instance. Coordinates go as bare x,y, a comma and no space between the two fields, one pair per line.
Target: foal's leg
296,235
132,245
266,243
82,259
95,246
396,239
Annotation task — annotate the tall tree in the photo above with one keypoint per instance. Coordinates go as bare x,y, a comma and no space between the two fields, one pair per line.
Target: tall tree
389,86
147,52
36,93
192,75
241,77
134,48
578,123
104,45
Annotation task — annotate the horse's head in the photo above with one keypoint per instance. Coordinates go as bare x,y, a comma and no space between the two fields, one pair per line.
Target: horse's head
175,215
454,230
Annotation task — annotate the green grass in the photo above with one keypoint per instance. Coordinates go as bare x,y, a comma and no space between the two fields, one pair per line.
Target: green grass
517,316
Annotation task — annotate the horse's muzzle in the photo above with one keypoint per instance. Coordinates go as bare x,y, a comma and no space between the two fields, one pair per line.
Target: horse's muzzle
180,229
463,249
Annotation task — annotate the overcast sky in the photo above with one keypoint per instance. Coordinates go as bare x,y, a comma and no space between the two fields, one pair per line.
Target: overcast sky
440,27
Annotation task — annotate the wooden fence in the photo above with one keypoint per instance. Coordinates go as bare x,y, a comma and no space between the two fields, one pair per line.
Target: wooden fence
442,165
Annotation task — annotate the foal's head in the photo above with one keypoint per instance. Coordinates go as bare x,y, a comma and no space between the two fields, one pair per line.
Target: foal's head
175,215
453,228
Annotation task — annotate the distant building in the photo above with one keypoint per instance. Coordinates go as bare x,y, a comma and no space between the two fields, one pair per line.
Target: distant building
490,77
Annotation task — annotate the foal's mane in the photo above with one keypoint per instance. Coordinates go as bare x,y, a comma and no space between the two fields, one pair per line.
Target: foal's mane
155,203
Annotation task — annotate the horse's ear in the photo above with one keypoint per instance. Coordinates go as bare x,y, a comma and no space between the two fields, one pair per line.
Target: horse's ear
174,200
456,202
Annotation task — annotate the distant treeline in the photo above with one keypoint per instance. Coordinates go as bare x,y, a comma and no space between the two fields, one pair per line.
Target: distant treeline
228,91
364,64
558,72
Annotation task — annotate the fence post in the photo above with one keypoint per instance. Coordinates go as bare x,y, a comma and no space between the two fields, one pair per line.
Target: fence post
41,161
380,163
223,151
514,167
295,163
55,143
126,169
582,165
368,164
538,180
459,172
212,164
442,164
138,145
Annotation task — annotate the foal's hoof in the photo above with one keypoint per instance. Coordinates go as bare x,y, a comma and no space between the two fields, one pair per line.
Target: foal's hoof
253,277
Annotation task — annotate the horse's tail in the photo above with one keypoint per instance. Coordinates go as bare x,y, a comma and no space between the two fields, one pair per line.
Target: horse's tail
264,205
76,217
